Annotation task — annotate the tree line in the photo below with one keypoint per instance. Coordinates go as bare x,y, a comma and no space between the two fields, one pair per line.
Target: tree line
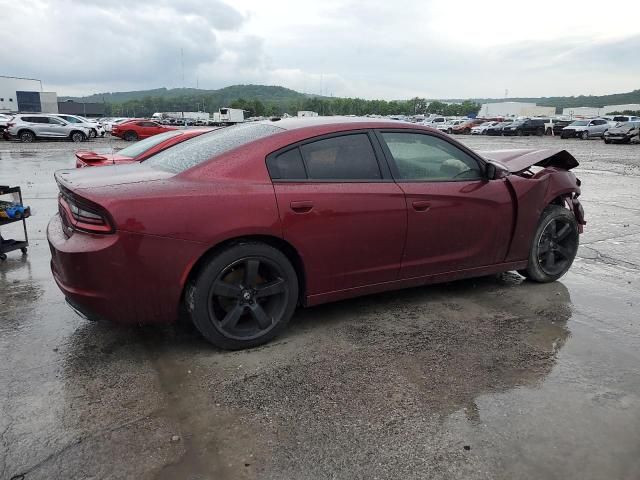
148,105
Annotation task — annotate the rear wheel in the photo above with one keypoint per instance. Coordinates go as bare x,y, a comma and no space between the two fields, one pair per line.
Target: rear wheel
26,136
244,297
131,136
77,137
554,245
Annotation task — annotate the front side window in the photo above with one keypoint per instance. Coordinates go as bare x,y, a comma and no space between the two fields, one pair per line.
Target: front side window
347,157
427,158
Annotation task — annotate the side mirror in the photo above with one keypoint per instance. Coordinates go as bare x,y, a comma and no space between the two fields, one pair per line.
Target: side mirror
494,171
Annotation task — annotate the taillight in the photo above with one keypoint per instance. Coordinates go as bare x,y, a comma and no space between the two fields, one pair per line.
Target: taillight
84,216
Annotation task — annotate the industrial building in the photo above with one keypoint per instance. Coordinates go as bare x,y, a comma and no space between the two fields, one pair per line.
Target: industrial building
629,107
515,109
25,95
585,112
70,107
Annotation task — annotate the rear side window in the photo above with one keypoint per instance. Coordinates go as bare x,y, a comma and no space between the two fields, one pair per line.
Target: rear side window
35,119
347,157
287,166
199,149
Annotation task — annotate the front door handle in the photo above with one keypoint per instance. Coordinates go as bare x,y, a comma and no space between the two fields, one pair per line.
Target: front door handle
301,207
421,206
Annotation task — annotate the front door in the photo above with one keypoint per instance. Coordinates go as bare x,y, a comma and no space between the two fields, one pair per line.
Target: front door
456,218
341,210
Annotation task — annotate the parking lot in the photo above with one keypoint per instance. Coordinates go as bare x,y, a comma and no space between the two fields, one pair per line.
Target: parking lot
491,378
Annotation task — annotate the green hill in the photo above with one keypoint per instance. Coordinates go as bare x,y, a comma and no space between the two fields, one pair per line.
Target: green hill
261,100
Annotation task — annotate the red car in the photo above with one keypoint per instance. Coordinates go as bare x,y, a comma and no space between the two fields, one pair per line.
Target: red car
136,129
139,151
241,225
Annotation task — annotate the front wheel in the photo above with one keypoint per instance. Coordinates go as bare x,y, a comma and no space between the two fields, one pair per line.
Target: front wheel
584,135
244,296
554,245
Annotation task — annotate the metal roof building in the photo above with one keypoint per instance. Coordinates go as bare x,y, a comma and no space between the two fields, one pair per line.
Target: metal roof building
19,94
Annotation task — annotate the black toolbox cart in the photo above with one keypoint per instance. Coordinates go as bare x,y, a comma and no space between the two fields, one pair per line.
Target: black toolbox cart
11,245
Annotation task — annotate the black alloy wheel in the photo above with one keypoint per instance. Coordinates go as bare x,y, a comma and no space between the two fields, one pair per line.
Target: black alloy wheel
244,297
554,246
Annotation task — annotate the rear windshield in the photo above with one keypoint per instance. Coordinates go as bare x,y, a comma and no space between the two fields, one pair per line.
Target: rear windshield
142,146
200,149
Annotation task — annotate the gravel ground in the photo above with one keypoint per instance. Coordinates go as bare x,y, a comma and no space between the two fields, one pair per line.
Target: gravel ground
492,378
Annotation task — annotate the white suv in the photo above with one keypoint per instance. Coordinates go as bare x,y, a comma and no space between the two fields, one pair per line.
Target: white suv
28,127
95,128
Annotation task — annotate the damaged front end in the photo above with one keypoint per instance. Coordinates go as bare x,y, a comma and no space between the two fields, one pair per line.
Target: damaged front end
538,178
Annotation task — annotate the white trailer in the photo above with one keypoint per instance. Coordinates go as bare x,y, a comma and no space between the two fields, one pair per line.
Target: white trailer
228,116
180,117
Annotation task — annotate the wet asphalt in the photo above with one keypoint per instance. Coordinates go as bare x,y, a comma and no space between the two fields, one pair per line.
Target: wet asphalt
491,378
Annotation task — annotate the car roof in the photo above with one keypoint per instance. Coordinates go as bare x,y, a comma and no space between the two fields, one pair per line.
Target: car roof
339,122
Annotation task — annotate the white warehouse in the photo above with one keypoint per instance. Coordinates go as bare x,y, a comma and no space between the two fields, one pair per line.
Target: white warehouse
515,109
25,95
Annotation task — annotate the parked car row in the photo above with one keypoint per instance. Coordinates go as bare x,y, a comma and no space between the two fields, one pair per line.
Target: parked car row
29,127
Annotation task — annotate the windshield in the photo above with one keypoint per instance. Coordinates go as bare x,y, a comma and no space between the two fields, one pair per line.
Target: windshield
580,123
200,149
142,146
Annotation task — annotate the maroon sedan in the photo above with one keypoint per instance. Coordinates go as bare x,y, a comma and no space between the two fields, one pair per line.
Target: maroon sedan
139,151
243,224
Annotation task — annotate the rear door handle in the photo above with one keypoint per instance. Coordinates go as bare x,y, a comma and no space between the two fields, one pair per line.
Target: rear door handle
301,207
421,205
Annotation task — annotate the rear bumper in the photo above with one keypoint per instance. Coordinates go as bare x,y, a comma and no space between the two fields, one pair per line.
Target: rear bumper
122,277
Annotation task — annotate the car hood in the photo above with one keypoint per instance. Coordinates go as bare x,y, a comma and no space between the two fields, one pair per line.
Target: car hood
87,178
521,159
620,130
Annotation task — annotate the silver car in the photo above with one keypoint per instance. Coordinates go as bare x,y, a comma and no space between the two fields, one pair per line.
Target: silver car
585,129
28,127
95,128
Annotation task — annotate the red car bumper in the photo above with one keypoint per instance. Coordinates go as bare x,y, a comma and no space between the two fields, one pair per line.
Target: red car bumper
121,277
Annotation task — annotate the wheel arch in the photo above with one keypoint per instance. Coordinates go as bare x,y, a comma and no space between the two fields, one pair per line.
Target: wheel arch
280,244
25,129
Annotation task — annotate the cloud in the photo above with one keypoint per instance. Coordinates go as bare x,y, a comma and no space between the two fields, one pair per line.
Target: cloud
376,49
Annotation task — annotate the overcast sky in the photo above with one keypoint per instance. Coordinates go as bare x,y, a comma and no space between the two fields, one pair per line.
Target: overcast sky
373,49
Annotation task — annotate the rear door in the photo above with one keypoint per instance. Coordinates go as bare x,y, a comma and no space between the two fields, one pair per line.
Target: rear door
341,210
456,218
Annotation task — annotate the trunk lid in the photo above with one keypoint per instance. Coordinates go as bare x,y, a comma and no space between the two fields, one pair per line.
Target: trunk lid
88,178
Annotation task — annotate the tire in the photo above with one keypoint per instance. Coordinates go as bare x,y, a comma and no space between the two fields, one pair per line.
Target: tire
520,133
540,132
450,131
130,136
607,141
3,257
77,137
27,136
548,131
232,316
93,133
584,135
552,249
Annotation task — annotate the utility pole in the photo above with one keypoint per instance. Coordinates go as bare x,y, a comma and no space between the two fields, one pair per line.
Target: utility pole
182,64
